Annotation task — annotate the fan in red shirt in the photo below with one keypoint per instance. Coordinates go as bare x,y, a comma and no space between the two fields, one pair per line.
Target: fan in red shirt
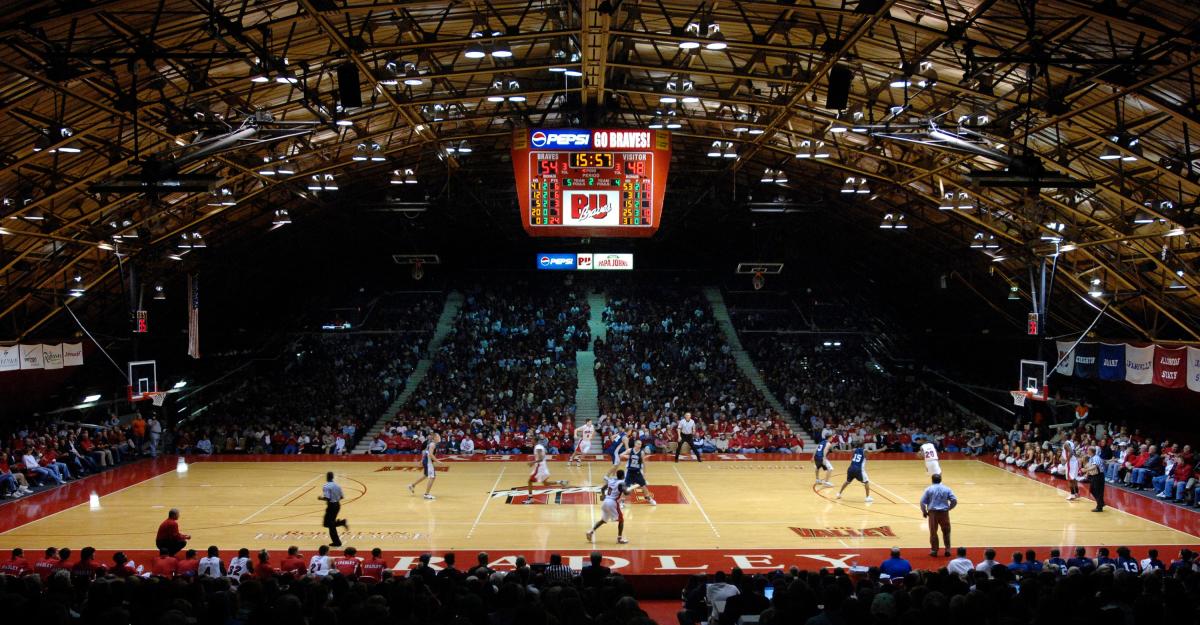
347,564
122,567
47,565
293,564
189,565
15,565
165,565
263,570
372,570
87,567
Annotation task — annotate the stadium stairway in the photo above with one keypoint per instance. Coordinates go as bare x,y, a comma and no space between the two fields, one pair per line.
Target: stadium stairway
445,325
716,301
587,393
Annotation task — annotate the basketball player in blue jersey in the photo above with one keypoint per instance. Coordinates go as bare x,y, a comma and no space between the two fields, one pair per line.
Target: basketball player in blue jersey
428,460
610,507
858,471
621,448
635,462
821,462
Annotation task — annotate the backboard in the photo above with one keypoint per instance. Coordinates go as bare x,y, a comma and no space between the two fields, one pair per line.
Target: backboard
143,379
1032,379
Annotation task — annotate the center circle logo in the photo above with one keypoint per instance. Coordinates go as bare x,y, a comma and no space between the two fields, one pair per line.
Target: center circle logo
545,261
538,139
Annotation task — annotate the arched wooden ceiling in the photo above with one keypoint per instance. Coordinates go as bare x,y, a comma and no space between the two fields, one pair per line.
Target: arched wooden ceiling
1065,81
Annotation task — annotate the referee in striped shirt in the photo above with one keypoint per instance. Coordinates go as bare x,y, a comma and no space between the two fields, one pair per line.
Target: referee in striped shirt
687,434
936,504
332,495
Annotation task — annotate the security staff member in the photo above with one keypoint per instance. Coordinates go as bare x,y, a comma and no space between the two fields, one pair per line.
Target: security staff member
936,504
332,495
1095,473
687,434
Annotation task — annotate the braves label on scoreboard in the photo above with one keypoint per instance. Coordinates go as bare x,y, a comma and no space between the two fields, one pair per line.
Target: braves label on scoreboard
585,182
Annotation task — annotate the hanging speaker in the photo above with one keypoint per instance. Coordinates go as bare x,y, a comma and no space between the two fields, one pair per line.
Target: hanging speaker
838,97
349,91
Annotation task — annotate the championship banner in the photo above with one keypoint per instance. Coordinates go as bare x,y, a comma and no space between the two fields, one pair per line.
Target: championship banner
1112,361
52,356
31,357
1139,364
1086,365
72,354
1193,369
10,357
1066,363
1170,367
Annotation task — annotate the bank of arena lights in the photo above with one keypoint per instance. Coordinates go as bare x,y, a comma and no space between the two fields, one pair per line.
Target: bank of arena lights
856,185
894,221
50,136
1130,143
368,151
707,34
722,149
403,176
955,200
984,241
461,147
281,218
222,196
276,166
812,149
776,176
191,241
322,182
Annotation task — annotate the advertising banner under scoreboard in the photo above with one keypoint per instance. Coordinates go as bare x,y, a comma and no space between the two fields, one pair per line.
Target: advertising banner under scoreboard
586,261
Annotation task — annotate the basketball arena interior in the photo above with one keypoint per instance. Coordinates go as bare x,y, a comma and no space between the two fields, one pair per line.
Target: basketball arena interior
609,312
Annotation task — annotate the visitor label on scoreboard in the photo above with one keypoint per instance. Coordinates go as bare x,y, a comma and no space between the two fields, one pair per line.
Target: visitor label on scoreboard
587,182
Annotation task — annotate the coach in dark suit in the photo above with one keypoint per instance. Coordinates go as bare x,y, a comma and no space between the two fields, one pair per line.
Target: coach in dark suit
594,574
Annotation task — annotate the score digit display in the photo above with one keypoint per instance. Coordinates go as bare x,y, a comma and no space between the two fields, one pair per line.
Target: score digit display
596,183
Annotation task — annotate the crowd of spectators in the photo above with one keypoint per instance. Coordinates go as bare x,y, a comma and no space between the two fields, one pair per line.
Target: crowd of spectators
47,453
665,355
504,379
1166,469
1080,589
317,401
405,312
839,393
327,589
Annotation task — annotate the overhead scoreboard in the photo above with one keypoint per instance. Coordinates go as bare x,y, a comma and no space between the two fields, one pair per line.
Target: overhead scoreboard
574,182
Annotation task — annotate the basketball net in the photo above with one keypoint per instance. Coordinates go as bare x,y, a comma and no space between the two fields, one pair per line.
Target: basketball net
1019,397
157,398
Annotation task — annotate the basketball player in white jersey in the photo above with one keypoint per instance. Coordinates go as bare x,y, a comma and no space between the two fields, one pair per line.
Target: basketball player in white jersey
1071,460
428,460
583,442
929,453
540,471
610,506
319,565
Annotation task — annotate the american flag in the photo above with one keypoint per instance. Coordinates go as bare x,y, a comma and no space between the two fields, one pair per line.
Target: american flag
193,316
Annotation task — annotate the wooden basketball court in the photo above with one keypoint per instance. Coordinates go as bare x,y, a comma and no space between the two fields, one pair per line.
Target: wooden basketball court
757,512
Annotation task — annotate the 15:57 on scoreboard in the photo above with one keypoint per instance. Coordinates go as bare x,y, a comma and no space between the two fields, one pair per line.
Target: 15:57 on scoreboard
591,182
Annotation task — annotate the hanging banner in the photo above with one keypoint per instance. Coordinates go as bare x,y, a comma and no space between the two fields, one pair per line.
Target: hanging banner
1086,361
1193,369
1066,363
52,356
72,354
31,357
10,358
1112,362
1170,367
1139,364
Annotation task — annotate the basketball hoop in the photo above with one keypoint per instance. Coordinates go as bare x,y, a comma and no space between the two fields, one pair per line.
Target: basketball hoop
1019,397
157,398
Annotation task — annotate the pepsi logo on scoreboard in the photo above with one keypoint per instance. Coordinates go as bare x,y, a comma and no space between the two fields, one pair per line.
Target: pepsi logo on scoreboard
563,139
556,262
